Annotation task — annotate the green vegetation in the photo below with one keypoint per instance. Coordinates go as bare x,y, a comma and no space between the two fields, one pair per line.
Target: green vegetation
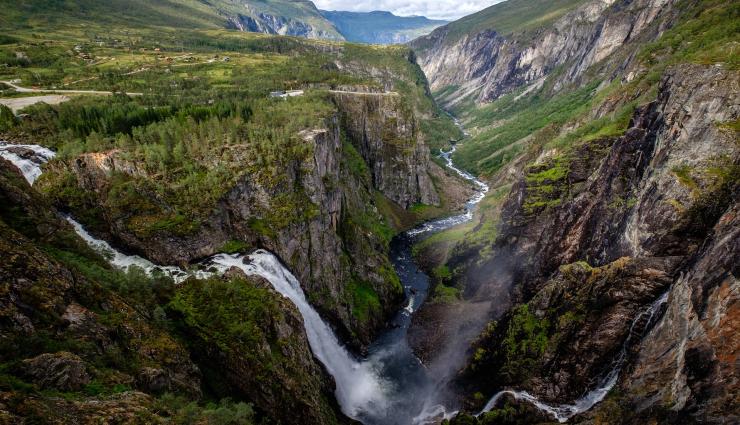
492,148
365,301
546,185
707,35
237,313
446,295
181,410
7,118
526,340
512,16
234,247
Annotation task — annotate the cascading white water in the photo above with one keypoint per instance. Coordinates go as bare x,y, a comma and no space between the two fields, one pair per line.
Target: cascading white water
123,261
359,389
29,165
563,412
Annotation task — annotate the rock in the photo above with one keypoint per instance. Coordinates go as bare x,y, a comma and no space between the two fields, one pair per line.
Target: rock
153,380
61,371
489,64
387,136
688,362
587,266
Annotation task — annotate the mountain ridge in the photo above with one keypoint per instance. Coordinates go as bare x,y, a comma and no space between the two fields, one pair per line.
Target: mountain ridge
380,27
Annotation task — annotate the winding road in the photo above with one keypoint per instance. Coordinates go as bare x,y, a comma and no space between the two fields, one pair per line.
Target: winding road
20,89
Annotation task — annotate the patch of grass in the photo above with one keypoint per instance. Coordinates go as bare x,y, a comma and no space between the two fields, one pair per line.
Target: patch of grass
683,174
446,295
365,301
234,247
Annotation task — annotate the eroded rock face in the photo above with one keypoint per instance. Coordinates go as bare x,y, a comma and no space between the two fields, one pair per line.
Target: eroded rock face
489,64
387,136
689,361
273,24
650,213
62,371
629,196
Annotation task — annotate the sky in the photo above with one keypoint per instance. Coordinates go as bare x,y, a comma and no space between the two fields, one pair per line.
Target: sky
435,9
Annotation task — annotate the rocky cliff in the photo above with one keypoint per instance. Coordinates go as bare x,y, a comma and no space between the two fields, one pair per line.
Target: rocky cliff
280,25
615,200
482,66
85,343
385,131
296,18
645,209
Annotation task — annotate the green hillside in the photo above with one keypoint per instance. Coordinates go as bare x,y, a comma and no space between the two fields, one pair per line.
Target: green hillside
193,14
507,17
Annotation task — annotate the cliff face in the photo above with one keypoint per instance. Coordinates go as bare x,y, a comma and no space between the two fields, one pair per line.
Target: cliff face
688,362
281,17
652,210
387,135
489,64
107,345
280,25
317,212
627,196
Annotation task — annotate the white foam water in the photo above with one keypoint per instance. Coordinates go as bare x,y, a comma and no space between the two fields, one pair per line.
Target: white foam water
124,261
29,165
563,412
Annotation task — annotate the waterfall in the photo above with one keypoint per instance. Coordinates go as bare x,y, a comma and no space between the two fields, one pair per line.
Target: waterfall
359,388
124,262
564,412
27,158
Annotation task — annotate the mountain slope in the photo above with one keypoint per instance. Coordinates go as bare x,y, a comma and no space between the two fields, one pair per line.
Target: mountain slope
284,17
380,27
297,18
608,132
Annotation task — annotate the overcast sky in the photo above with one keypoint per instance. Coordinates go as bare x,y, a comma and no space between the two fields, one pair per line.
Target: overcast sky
436,9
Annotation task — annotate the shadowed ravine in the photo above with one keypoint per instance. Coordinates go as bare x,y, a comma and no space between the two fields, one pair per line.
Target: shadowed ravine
389,386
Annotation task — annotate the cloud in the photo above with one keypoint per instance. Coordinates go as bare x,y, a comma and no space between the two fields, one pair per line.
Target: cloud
435,9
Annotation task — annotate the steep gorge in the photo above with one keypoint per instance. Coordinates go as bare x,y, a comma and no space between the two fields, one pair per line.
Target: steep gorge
600,220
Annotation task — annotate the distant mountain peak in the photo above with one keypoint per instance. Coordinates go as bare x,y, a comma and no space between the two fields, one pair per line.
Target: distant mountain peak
380,27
